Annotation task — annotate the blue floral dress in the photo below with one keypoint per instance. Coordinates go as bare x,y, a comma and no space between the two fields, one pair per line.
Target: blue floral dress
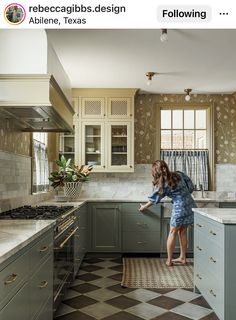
182,200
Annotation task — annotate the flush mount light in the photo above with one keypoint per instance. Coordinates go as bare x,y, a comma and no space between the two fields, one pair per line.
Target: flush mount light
149,76
164,36
187,97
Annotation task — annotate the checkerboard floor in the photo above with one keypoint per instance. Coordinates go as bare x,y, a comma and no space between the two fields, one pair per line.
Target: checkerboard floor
97,294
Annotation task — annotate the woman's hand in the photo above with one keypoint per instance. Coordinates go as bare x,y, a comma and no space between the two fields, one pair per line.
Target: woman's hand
142,207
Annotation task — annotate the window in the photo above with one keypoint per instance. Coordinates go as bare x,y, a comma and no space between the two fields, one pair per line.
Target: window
184,143
183,129
40,162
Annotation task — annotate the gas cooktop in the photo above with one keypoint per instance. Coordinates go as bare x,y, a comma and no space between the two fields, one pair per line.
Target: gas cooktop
37,212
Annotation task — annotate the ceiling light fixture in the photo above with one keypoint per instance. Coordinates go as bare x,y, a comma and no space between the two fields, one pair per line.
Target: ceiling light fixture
149,76
187,97
164,36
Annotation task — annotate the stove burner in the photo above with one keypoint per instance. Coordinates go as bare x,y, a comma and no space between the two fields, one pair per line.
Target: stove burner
38,212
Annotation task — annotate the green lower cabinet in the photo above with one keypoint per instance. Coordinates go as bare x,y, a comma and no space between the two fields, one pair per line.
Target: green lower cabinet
27,282
17,308
141,232
46,311
105,223
41,287
164,235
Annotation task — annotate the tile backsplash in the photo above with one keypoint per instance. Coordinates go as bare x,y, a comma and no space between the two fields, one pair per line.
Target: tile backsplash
15,182
226,177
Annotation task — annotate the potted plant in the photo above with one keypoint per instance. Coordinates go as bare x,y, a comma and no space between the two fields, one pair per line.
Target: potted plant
69,176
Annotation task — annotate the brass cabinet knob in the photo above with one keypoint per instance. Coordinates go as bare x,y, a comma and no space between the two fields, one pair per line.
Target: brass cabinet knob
11,279
43,284
43,249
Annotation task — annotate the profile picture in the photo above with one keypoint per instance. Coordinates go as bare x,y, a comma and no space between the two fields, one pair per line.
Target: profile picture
15,13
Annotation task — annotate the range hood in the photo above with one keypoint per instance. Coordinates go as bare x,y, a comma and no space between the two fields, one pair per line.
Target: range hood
35,103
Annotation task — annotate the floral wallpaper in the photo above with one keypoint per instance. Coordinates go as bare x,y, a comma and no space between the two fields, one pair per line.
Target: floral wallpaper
12,140
146,124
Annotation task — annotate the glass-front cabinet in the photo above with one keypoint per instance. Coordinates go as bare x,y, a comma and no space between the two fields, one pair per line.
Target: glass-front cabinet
93,144
67,146
119,146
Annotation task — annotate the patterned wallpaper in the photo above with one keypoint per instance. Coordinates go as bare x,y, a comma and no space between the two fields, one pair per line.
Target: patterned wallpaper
146,124
12,140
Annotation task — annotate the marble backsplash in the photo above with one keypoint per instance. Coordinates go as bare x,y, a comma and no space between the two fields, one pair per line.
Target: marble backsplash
15,182
138,185
226,177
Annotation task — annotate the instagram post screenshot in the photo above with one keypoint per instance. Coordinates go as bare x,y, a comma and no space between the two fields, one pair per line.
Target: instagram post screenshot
117,160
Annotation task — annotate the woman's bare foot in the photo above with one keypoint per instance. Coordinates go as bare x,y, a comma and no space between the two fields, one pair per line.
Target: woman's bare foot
169,263
179,260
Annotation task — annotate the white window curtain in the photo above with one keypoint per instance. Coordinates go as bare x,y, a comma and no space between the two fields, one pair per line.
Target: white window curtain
40,163
192,162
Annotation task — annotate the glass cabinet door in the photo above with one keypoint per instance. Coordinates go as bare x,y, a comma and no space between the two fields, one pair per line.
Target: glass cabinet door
93,144
119,153
67,145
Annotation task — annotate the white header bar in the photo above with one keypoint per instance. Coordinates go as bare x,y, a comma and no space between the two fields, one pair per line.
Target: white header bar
116,14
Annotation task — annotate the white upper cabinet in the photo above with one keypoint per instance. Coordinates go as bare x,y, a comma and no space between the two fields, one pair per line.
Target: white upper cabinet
104,129
119,108
92,108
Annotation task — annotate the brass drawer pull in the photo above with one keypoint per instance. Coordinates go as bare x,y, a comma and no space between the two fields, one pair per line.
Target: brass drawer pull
213,233
212,259
43,249
141,224
199,277
200,249
212,292
11,279
199,225
43,284
66,240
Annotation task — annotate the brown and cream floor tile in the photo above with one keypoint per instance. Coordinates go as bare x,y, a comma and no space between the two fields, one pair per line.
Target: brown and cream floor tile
88,277
85,287
122,316
80,302
165,302
96,294
76,315
122,302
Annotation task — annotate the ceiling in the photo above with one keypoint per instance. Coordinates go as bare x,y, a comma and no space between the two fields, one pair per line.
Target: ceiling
204,60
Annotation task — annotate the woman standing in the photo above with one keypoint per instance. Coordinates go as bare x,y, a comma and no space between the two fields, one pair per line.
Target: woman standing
178,187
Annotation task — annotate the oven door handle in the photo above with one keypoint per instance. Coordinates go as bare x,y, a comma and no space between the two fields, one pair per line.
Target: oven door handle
65,241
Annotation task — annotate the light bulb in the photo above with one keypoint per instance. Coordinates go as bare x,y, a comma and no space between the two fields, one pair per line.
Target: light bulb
187,97
164,36
149,82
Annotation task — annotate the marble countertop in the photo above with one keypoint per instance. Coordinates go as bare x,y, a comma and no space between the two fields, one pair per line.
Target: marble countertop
209,198
16,234
222,215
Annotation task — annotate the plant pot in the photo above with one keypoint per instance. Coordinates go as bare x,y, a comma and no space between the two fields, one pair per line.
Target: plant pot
72,189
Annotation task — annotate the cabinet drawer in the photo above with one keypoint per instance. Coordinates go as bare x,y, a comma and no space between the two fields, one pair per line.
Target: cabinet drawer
18,306
41,286
141,241
46,312
213,230
140,222
209,255
128,208
12,276
40,250
210,287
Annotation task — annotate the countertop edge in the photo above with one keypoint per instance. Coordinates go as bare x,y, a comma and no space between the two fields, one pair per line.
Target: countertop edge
24,243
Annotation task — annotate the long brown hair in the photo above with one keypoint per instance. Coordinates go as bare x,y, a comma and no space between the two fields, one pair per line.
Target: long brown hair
162,174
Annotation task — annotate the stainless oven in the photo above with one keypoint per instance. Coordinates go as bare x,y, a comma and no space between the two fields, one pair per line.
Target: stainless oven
63,257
